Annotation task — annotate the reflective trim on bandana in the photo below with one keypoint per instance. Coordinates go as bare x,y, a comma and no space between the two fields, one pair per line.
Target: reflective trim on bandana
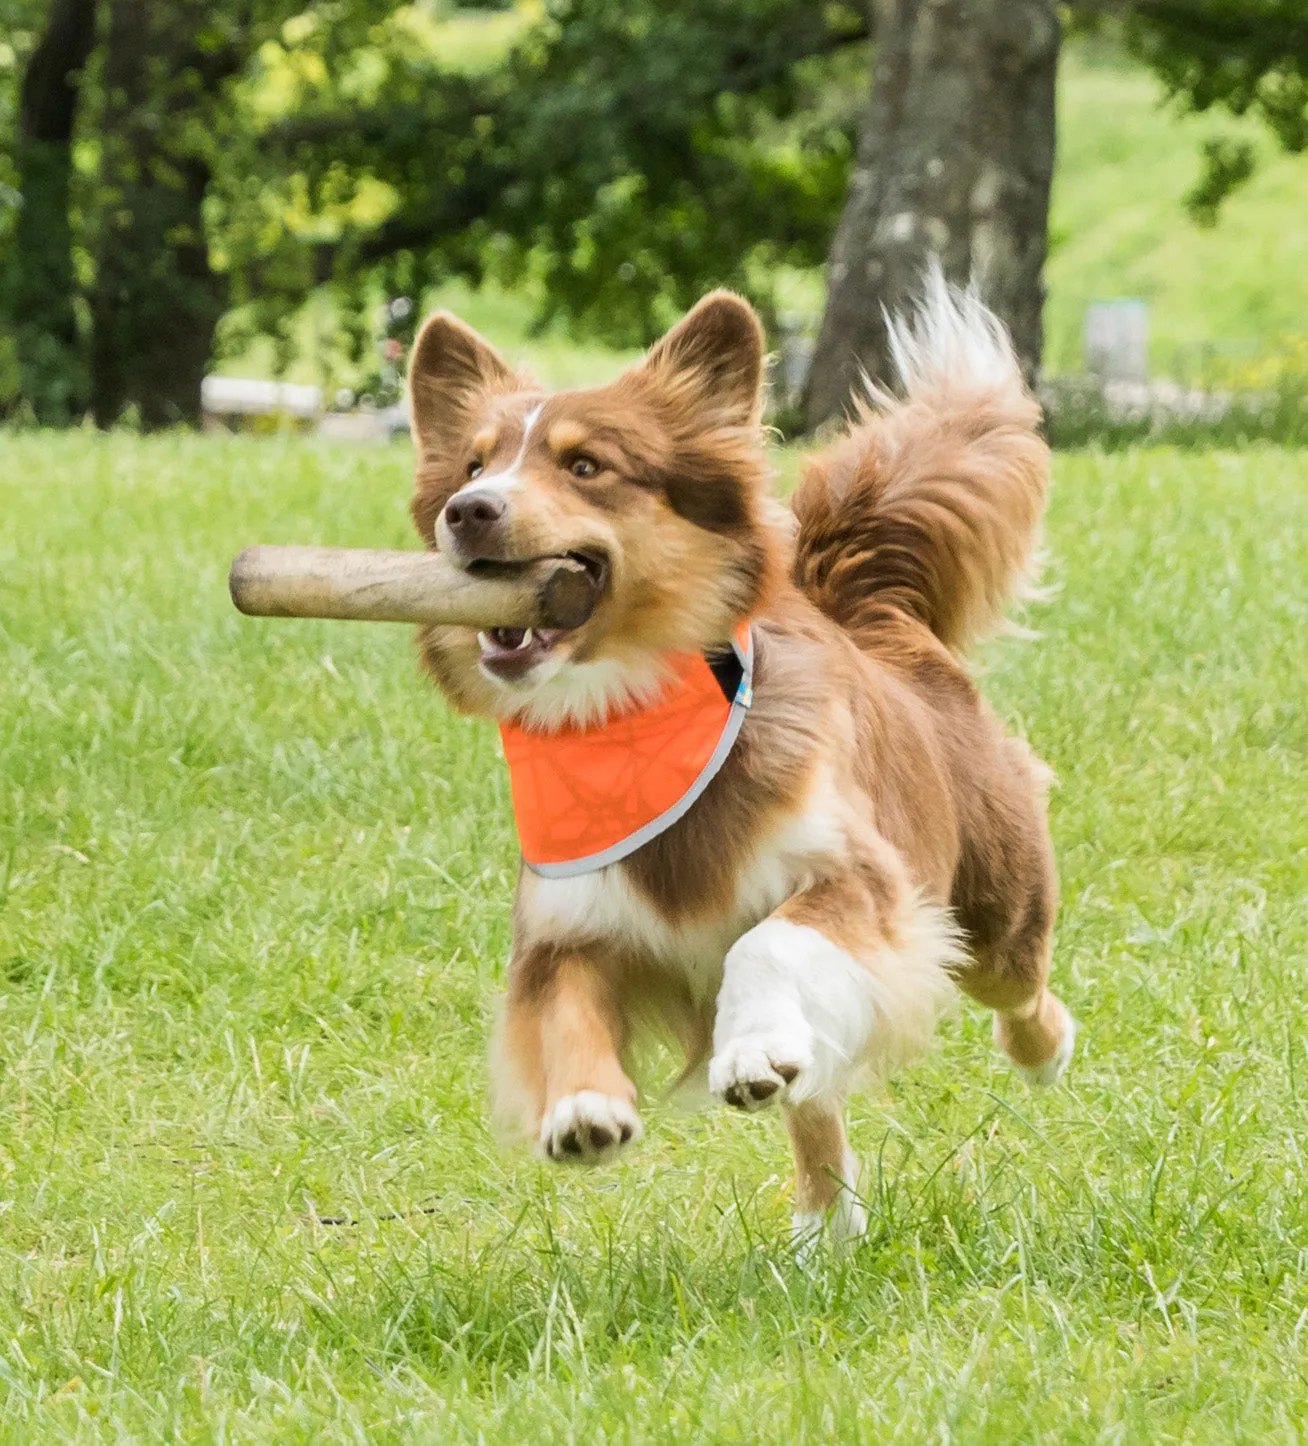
585,798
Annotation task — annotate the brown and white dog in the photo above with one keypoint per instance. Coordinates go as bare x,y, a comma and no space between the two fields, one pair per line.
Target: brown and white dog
874,840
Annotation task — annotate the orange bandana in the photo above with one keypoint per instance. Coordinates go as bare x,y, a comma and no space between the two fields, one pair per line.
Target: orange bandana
587,797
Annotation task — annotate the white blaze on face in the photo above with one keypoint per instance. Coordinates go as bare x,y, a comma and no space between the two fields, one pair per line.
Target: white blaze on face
497,483
509,479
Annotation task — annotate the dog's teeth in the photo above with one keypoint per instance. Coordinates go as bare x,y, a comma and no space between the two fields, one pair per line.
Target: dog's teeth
499,640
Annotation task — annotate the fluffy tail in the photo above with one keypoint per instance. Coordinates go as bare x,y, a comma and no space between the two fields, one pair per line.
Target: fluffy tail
930,503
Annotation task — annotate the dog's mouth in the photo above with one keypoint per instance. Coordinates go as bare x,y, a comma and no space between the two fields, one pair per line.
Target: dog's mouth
510,654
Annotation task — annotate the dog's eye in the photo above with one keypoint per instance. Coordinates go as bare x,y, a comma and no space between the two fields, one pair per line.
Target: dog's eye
475,469
584,467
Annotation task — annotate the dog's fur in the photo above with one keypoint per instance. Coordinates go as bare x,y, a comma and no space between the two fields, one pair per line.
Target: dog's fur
874,838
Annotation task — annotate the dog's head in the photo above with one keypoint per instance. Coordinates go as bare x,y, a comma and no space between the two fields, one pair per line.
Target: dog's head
656,483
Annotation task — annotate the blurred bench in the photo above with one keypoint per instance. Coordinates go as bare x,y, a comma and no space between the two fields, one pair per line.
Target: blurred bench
232,403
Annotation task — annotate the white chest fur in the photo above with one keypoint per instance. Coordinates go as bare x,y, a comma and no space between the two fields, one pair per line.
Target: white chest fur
604,906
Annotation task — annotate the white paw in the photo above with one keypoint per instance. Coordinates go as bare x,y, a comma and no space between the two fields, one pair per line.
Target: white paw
841,1226
1039,1076
757,1070
588,1128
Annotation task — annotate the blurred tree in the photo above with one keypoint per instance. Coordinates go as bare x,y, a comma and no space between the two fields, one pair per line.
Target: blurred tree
156,299
632,152
160,112
51,374
623,156
1228,164
627,155
956,161
172,118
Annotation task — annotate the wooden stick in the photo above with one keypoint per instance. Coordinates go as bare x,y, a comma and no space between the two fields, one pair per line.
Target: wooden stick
410,587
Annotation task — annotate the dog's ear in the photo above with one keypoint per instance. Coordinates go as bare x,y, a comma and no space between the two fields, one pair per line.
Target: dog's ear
715,355
450,366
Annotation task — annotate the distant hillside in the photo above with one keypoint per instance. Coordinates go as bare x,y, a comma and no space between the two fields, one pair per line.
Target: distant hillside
1119,227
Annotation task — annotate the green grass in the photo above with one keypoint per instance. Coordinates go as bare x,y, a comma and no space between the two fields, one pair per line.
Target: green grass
254,891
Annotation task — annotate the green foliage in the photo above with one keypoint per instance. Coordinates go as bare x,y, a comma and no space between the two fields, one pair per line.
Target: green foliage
1249,57
17,19
1123,168
170,121
608,159
625,157
10,199
1244,57
158,117
256,884
1228,164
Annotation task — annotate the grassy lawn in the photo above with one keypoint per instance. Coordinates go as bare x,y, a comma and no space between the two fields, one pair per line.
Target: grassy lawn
254,886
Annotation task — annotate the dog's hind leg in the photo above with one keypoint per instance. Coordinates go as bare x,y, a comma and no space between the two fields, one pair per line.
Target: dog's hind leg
1040,1038
1033,1026
826,1174
1006,904
1009,972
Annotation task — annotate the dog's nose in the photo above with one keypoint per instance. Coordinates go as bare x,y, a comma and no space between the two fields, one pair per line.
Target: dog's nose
472,518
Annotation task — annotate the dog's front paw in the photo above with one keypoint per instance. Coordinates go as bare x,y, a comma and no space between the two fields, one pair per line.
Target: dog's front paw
588,1128
752,1072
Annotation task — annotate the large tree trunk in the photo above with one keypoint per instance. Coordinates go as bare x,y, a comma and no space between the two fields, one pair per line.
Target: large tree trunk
49,354
156,301
955,160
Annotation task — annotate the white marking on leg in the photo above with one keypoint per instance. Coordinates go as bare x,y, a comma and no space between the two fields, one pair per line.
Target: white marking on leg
1041,1076
791,1000
792,997
844,1221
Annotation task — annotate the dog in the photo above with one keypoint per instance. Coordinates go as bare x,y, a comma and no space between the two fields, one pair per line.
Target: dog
870,842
